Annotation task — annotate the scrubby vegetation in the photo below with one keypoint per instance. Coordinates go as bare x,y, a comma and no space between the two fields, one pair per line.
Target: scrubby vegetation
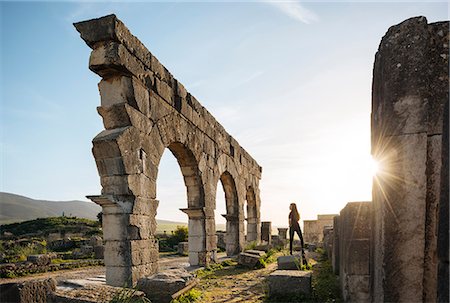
59,241
191,296
269,257
46,226
168,243
325,284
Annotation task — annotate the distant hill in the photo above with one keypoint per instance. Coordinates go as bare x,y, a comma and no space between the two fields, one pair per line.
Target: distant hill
15,208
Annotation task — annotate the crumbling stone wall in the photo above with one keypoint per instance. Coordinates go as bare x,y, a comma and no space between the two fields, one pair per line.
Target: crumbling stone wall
313,229
354,249
146,110
410,87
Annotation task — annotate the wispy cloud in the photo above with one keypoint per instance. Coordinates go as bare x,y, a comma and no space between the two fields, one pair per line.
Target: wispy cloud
295,10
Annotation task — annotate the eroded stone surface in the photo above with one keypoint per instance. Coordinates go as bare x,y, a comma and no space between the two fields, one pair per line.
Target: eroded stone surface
410,88
289,282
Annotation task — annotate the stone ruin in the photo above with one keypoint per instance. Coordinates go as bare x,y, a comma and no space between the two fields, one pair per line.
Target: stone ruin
313,229
396,248
146,110
409,93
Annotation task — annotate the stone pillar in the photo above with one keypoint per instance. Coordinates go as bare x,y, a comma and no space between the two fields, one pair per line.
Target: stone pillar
410,87
232,235
131,250
335,257
266,232
282,232
354,237
197,236
252,229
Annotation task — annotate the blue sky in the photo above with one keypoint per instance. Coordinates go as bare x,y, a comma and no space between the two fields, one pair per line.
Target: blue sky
290,81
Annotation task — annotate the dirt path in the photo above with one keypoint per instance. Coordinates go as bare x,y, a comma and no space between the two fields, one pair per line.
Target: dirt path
235,284
95,271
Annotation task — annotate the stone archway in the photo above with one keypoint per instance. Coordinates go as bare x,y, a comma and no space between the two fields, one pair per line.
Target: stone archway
195,202
146,110
232,238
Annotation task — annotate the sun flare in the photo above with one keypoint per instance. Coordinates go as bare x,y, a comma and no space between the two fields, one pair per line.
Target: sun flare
375,167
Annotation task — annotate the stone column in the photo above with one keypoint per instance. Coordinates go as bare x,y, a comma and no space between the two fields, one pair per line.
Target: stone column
410,87
266,232
131,251
232,234
252,229
197,236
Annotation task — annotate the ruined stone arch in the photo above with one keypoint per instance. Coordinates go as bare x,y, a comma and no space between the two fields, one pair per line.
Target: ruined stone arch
146,110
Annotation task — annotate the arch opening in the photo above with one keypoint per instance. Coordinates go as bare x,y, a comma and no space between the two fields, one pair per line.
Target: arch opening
232,214
194,197
252,216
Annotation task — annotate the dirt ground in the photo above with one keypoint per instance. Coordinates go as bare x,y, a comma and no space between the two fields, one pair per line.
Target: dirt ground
235,284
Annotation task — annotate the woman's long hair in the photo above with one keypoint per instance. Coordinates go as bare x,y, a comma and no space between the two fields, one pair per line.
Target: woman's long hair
294,211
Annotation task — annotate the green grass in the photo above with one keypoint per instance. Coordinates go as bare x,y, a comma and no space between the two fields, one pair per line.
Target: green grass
325,284
210,269
191,296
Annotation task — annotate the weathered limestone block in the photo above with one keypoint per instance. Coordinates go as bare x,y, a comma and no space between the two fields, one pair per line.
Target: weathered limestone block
266,232
289,283
34,291
354,244
248,259
255,252
410,87
160,287
293,262
41,259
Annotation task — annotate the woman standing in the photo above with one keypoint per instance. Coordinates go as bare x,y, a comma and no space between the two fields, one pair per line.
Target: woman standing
294,217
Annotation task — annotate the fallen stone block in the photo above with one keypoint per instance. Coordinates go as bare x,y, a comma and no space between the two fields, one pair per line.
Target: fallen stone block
289,283
248,260
293,262
255,252
39,259
35,291
161,286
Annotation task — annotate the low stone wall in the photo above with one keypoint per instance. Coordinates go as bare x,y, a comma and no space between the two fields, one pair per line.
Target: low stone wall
35,291
354,246
313,229
10,270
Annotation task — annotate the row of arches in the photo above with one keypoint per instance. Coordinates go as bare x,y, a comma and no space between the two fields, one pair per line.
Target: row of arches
229,210
130,202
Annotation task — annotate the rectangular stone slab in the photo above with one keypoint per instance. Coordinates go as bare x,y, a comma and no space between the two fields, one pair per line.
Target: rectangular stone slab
289,282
